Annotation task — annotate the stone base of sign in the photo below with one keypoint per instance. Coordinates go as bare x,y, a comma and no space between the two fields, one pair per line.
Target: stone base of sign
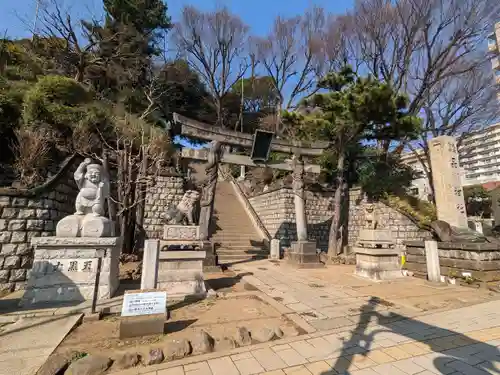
377,263
64,269
303,254
144,325
180,274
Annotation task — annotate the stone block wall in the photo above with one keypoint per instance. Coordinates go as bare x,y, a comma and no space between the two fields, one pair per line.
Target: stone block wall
25,214
277,213
482,260
402,227
275,209
164,191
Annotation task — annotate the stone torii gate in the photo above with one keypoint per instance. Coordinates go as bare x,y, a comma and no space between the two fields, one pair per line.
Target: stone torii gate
303,252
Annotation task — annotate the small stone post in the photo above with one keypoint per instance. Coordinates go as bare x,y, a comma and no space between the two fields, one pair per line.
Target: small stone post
149,275
432,260
242,173
275,249
449,195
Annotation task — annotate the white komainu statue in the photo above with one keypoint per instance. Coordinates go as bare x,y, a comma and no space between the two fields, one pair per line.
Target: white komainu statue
184,212
94,188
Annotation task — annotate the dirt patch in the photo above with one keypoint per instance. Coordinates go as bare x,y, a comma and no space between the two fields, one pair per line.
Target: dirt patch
219,317
228,281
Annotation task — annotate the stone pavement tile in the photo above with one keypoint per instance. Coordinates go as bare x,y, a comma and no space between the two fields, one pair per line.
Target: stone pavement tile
277,348
327,324
361,361
291,357
299,307
388,369
428,362
465,368
248,366
223,366
366,371
199,368
379,357
408,366
396,353
171,371
275,372
268,359
297,370
490,367
384,343
341,364
240,356
414,349
320,368
305,349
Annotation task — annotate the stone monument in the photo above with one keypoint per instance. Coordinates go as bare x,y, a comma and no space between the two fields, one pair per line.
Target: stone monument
449,195
66,266
376,255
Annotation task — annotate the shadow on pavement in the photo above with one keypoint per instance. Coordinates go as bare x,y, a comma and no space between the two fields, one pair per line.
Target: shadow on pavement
469,356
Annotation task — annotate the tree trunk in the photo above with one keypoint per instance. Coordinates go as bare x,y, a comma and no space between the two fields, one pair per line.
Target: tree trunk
333,249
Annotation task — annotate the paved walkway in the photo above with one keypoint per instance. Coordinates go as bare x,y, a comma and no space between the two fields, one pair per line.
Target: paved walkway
26,344
356,334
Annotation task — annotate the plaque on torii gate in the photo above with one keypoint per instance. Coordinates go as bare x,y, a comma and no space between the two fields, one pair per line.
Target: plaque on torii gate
303,251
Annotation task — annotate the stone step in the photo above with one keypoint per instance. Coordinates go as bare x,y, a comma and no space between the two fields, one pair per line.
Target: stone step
237,258
238,243
251,252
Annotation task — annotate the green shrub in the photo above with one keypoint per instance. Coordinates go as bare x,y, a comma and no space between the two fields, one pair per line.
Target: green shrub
423,213
57,102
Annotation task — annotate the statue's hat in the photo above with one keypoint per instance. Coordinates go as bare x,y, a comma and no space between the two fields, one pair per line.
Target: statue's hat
94,167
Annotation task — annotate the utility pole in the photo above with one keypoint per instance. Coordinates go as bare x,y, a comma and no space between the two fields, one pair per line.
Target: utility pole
35,21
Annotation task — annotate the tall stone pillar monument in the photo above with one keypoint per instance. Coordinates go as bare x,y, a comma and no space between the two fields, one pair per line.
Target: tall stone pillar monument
448,192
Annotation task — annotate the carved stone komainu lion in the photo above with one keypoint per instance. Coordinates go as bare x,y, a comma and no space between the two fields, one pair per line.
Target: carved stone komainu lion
183,213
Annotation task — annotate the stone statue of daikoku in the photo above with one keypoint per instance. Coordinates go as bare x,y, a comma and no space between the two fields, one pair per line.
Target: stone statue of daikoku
88,219
94,188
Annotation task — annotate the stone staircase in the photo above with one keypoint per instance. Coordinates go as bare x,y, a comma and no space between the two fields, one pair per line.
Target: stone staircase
234,234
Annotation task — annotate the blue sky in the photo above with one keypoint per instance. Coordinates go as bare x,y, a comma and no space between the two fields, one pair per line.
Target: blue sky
258,14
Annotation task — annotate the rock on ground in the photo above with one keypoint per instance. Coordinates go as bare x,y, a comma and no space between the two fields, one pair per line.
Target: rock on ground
177,349
202,343
242,337
155,356
264,334
126,360
55,364
226,343
89,365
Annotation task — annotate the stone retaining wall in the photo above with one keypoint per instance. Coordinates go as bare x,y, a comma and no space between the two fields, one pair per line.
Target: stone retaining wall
482,260
164,191
25,214
276,211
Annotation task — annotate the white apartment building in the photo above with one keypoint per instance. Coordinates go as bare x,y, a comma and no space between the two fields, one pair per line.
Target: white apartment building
479,155
494,49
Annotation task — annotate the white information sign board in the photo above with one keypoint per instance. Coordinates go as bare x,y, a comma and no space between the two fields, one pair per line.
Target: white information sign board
144,303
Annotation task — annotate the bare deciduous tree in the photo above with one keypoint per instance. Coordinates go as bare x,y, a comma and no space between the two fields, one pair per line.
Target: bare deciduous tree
292,56
214,44
434,50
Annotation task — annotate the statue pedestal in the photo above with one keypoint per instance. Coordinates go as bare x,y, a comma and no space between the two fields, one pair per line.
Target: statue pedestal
180,274
376,257
65,269
303,254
